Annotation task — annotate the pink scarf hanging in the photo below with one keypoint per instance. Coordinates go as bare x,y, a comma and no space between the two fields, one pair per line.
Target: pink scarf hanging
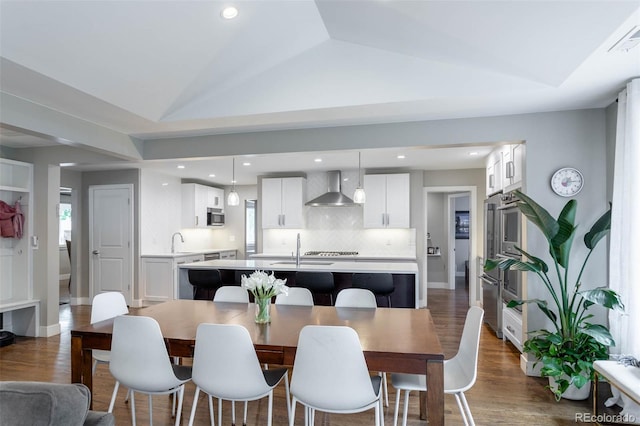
11,220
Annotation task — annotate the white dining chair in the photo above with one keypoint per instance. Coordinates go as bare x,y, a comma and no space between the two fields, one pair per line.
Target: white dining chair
362,298
105,306
140,361
225,366
231,293
356,298
459,372
298,296
330,374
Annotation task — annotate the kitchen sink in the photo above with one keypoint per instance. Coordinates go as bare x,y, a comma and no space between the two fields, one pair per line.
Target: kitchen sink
303,262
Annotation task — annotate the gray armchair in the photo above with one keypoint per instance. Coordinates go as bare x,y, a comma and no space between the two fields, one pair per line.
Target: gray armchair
40,403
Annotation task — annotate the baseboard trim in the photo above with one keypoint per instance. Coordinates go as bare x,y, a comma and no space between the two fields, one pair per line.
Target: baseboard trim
438,285
80,301
49,330
526,365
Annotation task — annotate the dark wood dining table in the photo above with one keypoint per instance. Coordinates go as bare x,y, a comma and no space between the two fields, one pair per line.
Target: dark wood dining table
393,339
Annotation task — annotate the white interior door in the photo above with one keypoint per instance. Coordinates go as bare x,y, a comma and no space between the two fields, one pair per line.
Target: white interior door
111,239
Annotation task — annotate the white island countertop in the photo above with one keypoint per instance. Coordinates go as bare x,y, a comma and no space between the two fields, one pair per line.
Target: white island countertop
326,264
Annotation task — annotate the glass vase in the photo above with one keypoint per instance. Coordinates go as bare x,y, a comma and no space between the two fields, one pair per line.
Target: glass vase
263,310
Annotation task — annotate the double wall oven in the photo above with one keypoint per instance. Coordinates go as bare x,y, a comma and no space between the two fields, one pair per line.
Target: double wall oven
502,235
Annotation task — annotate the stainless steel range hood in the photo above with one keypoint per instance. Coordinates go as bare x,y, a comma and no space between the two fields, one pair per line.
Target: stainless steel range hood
333,197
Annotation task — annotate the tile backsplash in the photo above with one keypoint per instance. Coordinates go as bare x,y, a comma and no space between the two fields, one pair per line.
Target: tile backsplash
338,228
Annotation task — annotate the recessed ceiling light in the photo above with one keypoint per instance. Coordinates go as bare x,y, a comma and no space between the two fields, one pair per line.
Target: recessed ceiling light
212,175
181,166
474,153
400,157
318,160
165,184
246,164
229,12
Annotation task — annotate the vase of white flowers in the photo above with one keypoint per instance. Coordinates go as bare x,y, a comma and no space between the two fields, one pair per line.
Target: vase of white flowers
264,286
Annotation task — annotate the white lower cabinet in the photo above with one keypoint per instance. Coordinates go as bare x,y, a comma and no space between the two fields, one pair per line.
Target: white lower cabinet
228,254
512,326
160,276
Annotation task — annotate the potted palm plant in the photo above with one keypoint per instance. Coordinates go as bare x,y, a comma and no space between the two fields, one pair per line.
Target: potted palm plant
568,349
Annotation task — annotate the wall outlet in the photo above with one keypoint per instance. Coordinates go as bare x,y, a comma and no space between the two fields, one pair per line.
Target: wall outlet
232,238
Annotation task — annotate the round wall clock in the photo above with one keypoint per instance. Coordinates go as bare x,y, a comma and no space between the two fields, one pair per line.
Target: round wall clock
567,182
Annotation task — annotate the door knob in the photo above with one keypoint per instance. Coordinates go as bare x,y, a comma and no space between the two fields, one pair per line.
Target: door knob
96,252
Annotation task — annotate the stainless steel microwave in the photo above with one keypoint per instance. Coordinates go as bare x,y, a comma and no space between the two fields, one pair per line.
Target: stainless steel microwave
215,217
511,230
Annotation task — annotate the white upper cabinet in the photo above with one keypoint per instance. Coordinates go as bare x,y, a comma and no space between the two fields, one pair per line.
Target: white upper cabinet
494,172
282,202
194,205
388,201
215,198
513,158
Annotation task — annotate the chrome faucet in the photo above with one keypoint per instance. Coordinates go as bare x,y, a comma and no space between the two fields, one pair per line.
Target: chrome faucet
173,247
298,250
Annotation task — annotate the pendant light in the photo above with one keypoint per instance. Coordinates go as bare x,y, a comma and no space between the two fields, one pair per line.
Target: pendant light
233,199
359,196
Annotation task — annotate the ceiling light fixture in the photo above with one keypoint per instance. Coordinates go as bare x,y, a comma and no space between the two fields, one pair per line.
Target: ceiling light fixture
318,160
359,196
212,175
233,199
229,12
401,157
180,166
246,163
474,153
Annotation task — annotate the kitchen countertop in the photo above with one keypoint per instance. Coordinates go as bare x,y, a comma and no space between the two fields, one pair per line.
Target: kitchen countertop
403,257
187,253
326,264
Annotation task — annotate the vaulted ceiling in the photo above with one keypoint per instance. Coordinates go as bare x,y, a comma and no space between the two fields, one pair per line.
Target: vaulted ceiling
165,68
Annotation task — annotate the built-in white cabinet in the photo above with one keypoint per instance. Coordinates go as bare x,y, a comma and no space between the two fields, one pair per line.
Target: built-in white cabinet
21,312
505,168
494,172
228,254
388,201
215,198
512,326
282,202
160,276
513,166
196,199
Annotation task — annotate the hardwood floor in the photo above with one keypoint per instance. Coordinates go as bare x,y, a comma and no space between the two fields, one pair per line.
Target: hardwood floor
501,395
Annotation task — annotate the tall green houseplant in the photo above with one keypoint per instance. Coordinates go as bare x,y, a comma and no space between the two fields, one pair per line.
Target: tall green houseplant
568,350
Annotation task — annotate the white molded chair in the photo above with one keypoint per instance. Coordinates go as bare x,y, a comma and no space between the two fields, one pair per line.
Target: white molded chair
225,366
361,298
103,307
106,306
231,293
140,361
299,296
330,374
356,298
459,372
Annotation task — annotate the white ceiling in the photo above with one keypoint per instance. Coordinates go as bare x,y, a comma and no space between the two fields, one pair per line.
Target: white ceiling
157,69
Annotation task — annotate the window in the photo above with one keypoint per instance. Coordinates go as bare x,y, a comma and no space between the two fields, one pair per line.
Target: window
65,223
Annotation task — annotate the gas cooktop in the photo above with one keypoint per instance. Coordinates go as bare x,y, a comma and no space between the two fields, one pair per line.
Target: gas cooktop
331,253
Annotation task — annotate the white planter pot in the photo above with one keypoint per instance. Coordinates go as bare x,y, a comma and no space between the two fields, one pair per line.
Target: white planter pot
572,392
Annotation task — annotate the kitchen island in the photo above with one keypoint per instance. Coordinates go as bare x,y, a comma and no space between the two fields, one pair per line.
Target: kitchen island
405,274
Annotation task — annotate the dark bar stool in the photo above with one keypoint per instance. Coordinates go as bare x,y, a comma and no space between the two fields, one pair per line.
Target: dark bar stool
316,282
380,284
205,282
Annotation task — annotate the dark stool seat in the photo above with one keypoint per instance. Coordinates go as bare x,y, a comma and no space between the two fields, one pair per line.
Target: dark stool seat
317,282
205,282
379,284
